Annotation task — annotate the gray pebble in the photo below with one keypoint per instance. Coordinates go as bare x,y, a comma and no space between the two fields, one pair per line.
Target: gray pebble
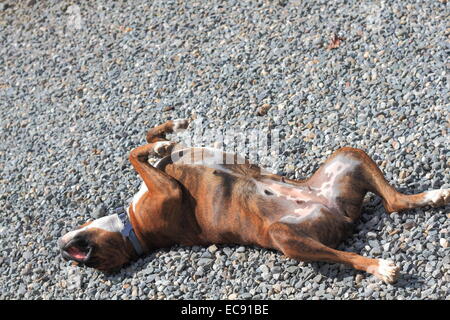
27,255
204,261
99,212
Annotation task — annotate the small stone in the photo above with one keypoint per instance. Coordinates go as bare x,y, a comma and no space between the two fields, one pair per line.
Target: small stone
265,275
371,235
444,243
276,269
151,277
292,269
403,174
200,272
263,109
227,251
232,296
204,261
263,268
368,292
27,255
376,251
317,278
358,278
75,282
409,225
206,254
246,296
99,212
395,145
22,290
27,269
212,248
240,249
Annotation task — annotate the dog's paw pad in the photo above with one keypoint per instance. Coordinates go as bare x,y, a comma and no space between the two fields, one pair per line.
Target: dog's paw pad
180,124
387,271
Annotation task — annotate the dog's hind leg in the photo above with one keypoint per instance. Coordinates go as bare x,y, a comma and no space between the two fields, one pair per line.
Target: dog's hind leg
297,245
366,176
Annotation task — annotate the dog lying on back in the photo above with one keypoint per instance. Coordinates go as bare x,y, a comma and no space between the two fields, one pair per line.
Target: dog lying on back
196,196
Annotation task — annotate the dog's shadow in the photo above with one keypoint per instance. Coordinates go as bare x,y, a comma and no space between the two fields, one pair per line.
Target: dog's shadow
130,270
373,209
335,271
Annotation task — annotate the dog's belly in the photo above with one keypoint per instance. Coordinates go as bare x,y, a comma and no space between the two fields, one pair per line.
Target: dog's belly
296,203
307,209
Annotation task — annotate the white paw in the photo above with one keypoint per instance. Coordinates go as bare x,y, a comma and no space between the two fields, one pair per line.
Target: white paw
387,271
437,198
180,124
163,148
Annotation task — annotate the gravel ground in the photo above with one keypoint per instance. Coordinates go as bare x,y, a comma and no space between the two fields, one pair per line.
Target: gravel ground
80,83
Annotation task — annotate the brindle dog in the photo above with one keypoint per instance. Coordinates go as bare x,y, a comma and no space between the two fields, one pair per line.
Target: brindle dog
197,196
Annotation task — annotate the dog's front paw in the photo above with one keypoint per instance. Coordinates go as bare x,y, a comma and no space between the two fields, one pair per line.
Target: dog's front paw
179,125
163,148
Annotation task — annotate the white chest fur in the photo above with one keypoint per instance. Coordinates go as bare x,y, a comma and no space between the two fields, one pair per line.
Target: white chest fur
143,189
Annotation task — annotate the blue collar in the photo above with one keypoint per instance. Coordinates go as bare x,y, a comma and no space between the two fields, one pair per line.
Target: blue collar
129,233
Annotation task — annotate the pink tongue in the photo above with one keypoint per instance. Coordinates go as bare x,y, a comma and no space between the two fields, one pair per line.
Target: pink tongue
76,253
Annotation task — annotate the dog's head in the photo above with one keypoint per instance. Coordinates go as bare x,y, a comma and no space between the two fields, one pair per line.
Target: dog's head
98,244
